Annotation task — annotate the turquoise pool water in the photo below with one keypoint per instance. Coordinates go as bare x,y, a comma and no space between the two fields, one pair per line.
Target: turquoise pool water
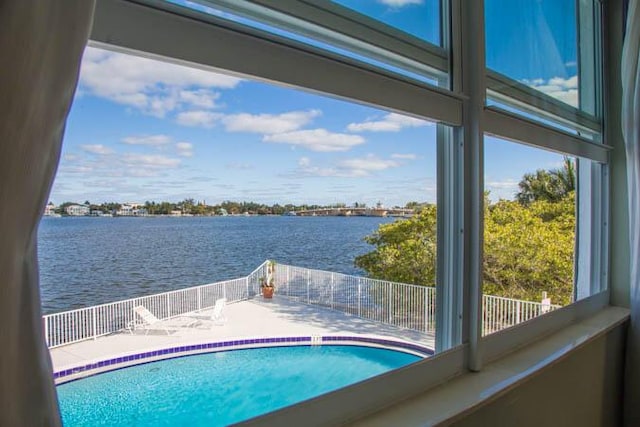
218,389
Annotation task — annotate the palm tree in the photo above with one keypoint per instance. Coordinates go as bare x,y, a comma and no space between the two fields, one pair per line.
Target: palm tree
567,175
551,185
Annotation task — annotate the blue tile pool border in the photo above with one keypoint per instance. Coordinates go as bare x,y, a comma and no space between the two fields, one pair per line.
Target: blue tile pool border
211,347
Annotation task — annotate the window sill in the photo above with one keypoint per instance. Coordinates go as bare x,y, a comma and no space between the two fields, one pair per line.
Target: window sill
452,400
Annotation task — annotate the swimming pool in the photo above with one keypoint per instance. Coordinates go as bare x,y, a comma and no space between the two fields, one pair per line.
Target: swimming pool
217,389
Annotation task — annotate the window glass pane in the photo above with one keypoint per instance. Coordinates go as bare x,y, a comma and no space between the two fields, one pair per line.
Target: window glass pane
425,62
191,180
573,127
546,45
420,18
529,236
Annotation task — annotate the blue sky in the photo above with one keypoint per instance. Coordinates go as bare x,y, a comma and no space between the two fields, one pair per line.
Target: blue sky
146,130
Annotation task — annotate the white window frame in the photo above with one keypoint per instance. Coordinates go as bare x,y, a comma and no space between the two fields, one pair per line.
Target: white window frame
161,30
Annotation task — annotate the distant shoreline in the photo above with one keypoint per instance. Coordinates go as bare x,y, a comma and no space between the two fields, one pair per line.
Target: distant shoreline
220,216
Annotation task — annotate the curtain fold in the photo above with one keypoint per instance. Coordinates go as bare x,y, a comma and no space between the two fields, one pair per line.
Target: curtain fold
631,133
41,44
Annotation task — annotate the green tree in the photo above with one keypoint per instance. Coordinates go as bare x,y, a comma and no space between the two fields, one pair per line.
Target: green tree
528,249
405,250
551,185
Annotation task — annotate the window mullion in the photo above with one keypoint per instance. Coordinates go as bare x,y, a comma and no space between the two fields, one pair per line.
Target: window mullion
449,282
591,229
474,88
449,300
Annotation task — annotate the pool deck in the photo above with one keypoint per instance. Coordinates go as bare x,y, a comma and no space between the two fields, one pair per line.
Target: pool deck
255,318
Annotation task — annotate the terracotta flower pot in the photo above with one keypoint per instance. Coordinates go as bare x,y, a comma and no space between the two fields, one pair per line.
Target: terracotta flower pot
267,291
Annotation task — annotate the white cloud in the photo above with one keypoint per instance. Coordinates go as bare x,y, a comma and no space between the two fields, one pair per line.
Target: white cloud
404,156
112,164
317,140
504,189
309,170
367,164
150,140
350,168
96,149
151,86
391,122
75,169
566,90
185,149
150,160
399,3
201,98
125,165
240,166
268,123
205,119
304,162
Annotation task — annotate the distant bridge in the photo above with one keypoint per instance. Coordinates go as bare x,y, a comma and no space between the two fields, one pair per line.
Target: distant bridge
380,212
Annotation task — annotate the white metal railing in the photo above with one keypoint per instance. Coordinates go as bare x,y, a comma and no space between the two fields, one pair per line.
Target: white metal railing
500,313
92,322
398,304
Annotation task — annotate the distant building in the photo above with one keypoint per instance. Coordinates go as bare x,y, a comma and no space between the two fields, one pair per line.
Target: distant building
50,210
176,212
77,210
131,209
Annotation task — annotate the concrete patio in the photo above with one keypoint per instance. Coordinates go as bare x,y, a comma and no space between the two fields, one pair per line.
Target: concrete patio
254,318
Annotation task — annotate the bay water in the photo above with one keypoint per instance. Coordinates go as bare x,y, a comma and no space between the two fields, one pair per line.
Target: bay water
87,261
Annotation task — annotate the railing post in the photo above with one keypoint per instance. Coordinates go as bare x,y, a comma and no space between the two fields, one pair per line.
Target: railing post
199,298
332,282
95,329
545,304
46,330
427,309
389,308
359,297
518,311
308,283
168,306
288,281
246,279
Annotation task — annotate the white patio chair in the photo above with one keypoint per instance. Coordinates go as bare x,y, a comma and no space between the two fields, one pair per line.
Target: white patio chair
218,317
151,322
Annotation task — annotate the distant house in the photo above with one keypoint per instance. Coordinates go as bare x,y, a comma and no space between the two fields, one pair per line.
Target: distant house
176,213
131,209
125,210
77,210
50,210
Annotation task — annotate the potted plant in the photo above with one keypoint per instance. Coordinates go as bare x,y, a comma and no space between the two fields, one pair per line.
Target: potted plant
267,284
267,287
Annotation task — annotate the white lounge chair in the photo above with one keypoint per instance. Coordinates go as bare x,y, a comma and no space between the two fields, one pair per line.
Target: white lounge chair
218,317
151,322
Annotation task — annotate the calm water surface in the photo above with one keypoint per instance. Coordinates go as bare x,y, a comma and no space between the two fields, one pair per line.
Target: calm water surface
89,261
